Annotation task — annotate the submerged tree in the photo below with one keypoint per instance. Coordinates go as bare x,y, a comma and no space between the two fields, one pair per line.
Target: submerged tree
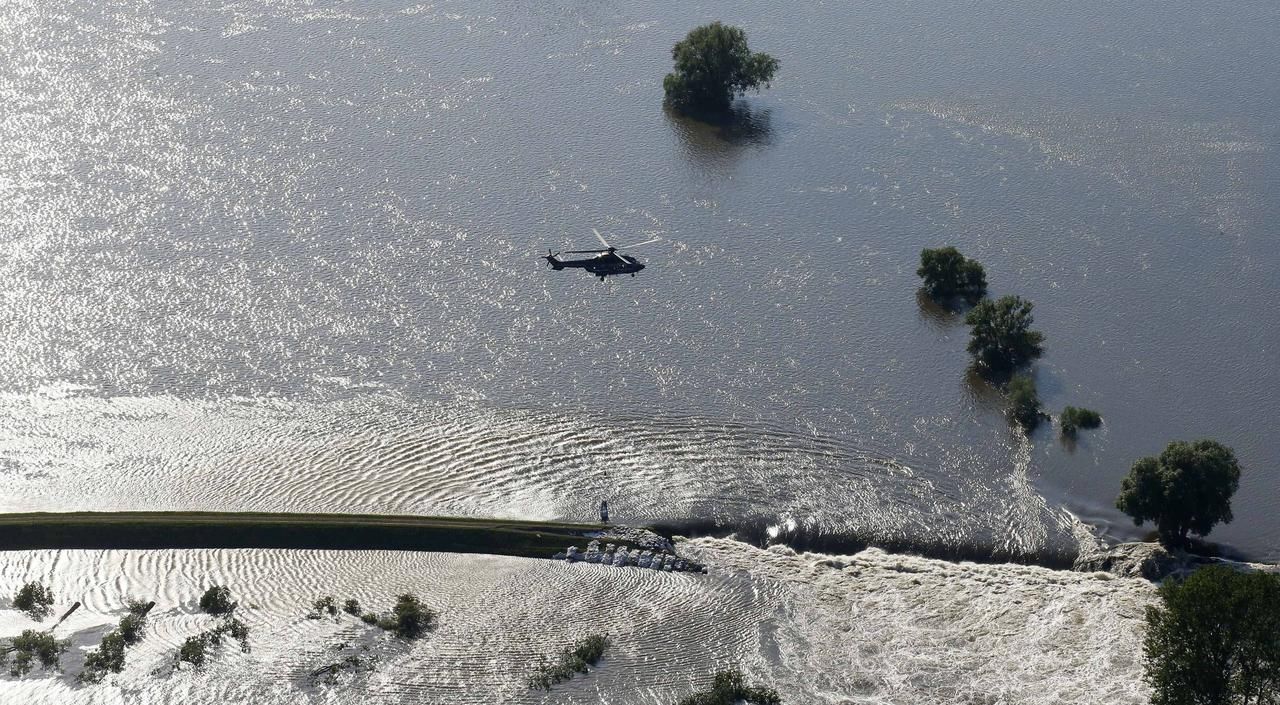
577,658
35,599
1024,402
412,618
217,600
1001,339
1215,640
728,687
31,646
1074,418
1187,489
949,275
712,66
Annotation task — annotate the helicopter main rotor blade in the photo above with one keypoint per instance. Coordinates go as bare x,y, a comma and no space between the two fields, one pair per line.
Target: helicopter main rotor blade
646,242
601,238
582,252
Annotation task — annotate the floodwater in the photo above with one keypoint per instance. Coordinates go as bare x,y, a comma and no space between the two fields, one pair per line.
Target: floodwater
284,256
870,628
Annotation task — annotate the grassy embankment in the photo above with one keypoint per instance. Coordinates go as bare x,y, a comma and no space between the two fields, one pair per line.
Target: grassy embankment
150,530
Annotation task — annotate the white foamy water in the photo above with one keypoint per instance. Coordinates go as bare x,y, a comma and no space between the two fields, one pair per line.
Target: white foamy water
869,628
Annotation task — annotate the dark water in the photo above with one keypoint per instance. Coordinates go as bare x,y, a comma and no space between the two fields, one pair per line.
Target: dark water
284,255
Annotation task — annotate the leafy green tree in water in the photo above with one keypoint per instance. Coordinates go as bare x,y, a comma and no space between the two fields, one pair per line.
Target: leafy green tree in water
31,646
712,66
412,618
1074,418
1215,640
35,599
729,688
1187,489
949,275
1001,339
217,600
1024,402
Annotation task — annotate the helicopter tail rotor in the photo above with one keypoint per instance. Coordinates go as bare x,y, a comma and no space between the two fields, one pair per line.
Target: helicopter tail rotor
551,260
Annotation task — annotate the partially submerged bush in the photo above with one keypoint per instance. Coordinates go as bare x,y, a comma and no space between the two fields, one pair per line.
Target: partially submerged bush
369,618
195,649
327,605
351,607
412,618
1024,402
235,629
712,66
351,664
729,687
31,646
949,275
133,624
574,659
1001,339
107,658
35,599
1075,418
217,600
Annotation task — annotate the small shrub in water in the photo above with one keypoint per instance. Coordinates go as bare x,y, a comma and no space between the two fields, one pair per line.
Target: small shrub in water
35,599
133,624
107,658
574,659
412,618
1000,337
233,628
1075,418
729,687
1024,403
193,649
31,646
216,600
327,605
948,275
369,618
352,607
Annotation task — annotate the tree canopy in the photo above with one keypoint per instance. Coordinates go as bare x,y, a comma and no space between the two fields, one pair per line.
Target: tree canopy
217,600
35,599
1187,489
730,686
1024,402
412,618
712,66
1215,640
1074,418
948,275
1002,339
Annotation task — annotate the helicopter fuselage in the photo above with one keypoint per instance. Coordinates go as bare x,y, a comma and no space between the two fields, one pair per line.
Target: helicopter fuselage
602,265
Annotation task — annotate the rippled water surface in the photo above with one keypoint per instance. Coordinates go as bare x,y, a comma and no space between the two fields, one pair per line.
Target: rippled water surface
283,255
870,628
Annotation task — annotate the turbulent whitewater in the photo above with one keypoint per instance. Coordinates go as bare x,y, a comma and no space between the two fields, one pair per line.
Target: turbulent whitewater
869,628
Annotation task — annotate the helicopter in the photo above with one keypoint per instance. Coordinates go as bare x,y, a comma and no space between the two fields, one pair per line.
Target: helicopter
606,261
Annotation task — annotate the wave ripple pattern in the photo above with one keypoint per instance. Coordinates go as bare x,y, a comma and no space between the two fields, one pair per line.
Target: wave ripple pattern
380,454
871,628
